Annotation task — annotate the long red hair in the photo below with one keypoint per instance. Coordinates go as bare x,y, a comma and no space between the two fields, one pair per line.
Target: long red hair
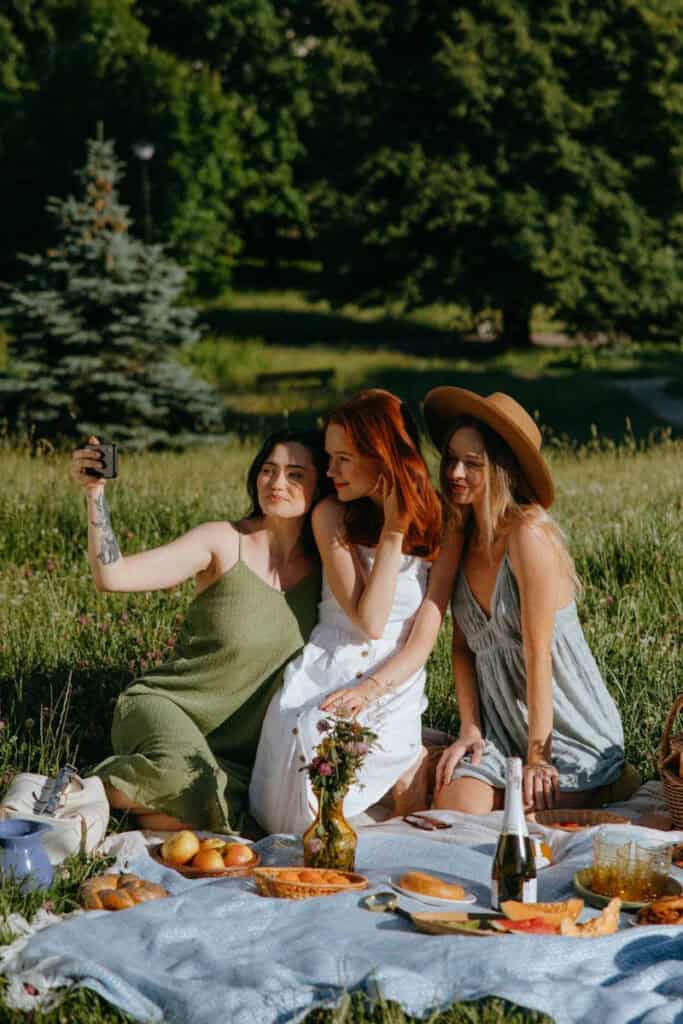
381,429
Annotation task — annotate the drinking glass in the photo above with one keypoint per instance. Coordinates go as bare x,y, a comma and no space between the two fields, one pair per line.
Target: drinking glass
611,854
651,871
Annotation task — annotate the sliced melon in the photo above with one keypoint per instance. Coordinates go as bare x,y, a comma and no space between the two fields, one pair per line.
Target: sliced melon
553,913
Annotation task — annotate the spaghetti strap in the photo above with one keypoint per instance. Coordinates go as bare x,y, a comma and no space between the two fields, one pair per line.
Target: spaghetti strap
239,545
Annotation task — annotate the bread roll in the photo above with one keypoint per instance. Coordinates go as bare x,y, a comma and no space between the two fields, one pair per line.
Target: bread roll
118,892
116,899
427,885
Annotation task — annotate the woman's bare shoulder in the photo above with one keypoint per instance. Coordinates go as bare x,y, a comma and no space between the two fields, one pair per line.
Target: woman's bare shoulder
328,514
530,541
223,537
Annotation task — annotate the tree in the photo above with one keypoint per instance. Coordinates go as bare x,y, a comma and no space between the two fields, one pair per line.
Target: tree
501,153
94,322
94,60
249,44
215,86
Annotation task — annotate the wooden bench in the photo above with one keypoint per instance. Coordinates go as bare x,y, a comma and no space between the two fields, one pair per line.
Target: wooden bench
305,378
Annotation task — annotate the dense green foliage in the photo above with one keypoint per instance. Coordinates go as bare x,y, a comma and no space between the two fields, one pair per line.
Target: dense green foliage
503,153
498,154
225,130
94,321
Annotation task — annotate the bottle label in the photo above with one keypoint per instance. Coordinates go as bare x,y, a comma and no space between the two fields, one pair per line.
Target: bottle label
528,892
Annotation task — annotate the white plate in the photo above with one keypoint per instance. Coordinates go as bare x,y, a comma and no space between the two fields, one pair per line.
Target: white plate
431,901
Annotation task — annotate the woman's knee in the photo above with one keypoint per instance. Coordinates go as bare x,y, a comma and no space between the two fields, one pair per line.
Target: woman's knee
118,801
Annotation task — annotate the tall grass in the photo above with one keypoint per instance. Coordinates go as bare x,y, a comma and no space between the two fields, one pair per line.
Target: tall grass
66,651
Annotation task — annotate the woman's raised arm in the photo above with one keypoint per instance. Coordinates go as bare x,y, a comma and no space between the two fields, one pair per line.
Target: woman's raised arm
367,601
156,569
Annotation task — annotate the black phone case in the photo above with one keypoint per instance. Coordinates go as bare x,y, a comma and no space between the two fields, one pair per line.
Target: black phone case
111,461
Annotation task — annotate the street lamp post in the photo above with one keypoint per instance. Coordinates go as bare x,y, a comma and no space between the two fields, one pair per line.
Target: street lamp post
144,151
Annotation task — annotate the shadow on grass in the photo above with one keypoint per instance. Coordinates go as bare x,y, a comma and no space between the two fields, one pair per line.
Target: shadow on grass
305,328
569,405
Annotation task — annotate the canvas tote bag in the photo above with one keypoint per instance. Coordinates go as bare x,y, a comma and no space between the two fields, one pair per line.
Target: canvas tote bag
79,820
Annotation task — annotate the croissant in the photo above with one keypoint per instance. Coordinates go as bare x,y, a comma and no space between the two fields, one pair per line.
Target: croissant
118,892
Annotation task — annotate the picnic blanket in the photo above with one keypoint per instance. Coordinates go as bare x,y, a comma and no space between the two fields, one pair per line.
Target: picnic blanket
216,950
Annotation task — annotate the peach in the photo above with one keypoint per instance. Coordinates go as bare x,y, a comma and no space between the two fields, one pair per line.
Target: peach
208,860
180,847
213,843
236,854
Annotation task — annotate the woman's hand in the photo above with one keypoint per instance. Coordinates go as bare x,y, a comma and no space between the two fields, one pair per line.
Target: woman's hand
470,741
394,521
86,458
352,700
540,785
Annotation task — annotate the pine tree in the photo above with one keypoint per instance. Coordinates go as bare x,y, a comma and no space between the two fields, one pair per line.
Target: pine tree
94,322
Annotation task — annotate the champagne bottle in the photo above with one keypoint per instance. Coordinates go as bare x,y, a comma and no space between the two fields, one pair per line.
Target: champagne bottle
513,875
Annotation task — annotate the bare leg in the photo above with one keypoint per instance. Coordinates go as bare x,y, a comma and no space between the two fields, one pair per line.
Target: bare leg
162,823
411,792
471,796
147,817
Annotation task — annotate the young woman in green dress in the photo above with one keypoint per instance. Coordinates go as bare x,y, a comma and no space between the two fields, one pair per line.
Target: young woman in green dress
185,734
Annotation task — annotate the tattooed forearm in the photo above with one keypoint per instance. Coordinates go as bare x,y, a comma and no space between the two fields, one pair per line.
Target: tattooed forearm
107,548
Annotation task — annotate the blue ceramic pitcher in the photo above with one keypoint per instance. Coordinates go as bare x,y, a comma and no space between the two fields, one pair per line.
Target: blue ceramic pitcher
22,854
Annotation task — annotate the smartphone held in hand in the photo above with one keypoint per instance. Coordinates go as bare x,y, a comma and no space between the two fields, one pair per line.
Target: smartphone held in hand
110,461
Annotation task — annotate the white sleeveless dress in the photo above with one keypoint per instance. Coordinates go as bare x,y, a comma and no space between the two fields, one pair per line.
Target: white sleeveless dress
337,654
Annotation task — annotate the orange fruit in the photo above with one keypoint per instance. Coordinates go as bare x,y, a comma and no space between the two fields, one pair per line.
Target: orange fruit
208,860
236,854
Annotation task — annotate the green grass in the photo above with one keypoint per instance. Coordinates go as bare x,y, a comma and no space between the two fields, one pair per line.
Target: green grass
66,651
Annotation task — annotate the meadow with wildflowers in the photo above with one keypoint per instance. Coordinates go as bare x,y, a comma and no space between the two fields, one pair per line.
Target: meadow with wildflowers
67,651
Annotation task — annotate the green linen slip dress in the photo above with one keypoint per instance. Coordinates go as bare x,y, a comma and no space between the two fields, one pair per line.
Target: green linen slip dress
185,734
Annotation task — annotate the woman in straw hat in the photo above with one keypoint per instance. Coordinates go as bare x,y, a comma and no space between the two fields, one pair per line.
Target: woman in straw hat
526,682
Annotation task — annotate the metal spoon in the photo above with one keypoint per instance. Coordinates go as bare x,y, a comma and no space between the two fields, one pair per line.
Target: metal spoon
381,902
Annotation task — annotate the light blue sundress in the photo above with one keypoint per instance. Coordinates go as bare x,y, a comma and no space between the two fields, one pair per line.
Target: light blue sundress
587,738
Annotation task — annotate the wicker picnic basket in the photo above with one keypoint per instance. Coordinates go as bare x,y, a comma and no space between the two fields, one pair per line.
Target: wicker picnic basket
285,883
670,754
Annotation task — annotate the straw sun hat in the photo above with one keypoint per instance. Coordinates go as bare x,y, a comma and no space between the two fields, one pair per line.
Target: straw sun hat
507,418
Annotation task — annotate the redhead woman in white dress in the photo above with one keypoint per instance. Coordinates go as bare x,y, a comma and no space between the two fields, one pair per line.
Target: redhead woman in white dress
387,578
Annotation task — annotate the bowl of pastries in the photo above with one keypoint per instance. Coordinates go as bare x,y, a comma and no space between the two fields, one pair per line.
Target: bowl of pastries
209,857
302,883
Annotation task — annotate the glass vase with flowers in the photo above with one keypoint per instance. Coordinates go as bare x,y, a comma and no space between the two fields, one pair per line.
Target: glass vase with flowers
330,842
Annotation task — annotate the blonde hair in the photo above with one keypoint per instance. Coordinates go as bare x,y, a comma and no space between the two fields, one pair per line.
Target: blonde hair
508,499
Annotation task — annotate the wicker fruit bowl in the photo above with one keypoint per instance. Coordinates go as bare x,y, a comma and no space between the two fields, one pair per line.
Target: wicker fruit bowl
237,871
302,883
574,821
